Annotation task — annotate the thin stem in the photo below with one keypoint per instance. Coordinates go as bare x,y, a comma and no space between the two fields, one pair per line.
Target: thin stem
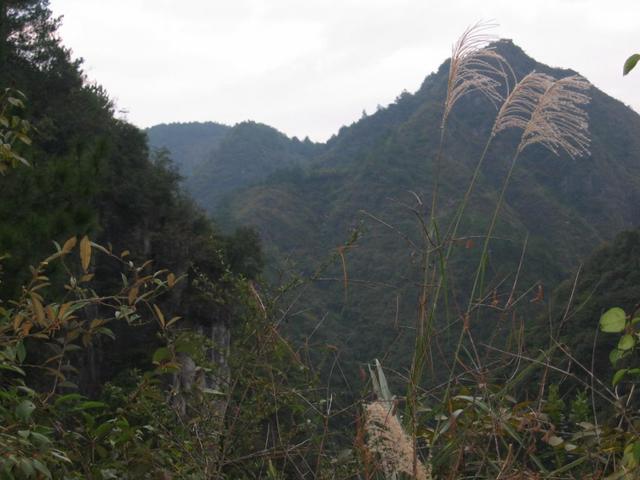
485,248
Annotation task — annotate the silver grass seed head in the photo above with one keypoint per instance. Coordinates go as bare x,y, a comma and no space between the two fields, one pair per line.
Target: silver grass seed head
475,67
520,104
390,443
559,121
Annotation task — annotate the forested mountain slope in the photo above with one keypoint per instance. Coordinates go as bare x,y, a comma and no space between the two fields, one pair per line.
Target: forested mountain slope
189,143
383,163
216,159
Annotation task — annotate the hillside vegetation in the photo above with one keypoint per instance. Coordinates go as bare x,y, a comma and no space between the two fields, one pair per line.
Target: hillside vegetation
400,329
377,174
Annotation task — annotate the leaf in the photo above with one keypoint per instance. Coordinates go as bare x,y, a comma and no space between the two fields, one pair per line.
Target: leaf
211,391
133,294
39,438
172,321
41,467
161,354
88,405
13,368
85,252
68,384
21,352
103,429
555,441
24,410
171,280
627,342
108,332
23,138
614,356
69,244
16,102
613,320
160,316
38,310
382,379
618,376
630,63
70,397
26,467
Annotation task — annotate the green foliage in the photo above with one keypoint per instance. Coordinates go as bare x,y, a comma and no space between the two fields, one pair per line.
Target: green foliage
152,352
613,320
555,406
96,336
364,177
13,129
630,63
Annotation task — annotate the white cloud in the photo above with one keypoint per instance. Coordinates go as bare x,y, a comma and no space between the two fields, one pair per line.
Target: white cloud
309,67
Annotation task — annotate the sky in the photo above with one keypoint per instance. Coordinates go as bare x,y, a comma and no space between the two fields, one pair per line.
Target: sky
307,67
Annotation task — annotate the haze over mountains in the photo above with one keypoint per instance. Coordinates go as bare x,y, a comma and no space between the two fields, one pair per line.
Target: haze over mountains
306,199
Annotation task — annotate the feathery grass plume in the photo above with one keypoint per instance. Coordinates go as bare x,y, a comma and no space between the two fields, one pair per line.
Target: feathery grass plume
390,443
559,121
475,67
520,104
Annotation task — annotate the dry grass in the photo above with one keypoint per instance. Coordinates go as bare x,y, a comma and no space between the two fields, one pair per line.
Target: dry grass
475,67
559,121
388,441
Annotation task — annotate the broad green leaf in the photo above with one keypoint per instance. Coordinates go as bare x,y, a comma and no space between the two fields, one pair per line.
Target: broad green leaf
627,342
618,376
615,355
103,429
613,320
630,63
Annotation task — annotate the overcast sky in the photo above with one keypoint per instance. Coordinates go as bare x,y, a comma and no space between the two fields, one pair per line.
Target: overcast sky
307,67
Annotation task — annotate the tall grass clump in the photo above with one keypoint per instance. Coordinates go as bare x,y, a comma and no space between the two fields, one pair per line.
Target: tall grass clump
548,112
475,67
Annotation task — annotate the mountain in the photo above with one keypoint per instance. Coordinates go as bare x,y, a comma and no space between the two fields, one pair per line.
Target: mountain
216,159
379,167
188,142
